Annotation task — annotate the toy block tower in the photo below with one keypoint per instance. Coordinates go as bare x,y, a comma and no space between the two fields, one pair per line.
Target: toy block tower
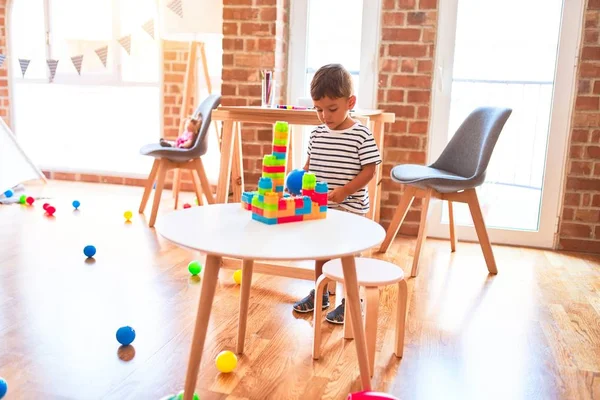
269,204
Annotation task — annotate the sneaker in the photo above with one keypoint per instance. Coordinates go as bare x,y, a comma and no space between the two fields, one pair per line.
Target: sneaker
337,316
307,304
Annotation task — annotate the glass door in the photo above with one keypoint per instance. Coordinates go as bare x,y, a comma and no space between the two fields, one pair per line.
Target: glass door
520,55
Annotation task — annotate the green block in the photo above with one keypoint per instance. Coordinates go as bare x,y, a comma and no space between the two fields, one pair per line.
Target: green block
272,207
261,191
269,160
309,181
280,142
274,175
281,126
279,163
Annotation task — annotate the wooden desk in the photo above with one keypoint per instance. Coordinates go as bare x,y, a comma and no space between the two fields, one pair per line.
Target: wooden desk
231,144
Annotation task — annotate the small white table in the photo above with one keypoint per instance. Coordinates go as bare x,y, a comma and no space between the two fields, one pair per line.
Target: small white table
226,230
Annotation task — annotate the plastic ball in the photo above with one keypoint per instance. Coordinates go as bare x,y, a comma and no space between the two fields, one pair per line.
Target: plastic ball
368,395
125,335
3,387
226,361
76,204
9,193
128,215
237,276
196,202
89,250
293,182
22,199
180,396
30,200
45,206
186,205
194,267
50,210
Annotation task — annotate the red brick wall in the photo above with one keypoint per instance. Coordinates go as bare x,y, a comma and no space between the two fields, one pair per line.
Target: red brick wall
255,38
580,222
407,52
4,105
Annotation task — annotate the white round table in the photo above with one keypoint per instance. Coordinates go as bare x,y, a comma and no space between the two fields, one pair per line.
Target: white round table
227,230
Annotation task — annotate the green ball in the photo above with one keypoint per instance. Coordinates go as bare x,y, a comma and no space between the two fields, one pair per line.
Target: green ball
195,267
22,199
180,396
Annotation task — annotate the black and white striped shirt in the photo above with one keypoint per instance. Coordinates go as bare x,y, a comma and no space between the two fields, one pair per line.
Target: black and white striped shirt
337,157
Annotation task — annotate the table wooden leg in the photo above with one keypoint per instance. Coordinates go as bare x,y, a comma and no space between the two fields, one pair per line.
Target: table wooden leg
237,168
207,293
244,300
225,165
353,303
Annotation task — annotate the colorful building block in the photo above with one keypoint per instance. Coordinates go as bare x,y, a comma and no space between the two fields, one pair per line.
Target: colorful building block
269,204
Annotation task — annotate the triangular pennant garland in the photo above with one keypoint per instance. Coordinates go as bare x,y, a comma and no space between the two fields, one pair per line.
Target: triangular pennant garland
2,58
102,53
125,41
176,7
77,61
24,64
149,27
52,64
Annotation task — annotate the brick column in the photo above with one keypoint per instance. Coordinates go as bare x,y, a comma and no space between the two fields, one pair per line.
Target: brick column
407,53
4,97
255,38
580,222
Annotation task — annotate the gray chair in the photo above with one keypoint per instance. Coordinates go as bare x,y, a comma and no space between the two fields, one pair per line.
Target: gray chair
453,177
166,158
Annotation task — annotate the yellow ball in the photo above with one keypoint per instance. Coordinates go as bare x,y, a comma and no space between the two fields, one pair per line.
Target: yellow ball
226,361
128,215
237,276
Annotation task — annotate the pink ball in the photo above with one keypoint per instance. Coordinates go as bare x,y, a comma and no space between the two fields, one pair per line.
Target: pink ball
30,200
186,205
50,210
368,395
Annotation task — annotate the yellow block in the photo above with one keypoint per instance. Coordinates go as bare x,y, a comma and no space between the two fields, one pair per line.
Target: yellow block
271,198
270,213
281,135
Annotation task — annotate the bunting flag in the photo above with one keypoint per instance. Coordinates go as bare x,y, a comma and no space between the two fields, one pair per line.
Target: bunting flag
177,7
149,27
24,63
52,64
125,41
102,53
77,61
2,58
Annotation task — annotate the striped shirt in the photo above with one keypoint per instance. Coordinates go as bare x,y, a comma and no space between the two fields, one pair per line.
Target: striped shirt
337,157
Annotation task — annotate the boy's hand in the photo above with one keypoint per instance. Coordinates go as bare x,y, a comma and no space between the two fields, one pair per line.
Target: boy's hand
338,195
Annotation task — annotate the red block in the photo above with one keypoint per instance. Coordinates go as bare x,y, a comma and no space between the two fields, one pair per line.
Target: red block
321,199
293,218
279,149
282,204
308,192
247,206
274,169
257,210
299,202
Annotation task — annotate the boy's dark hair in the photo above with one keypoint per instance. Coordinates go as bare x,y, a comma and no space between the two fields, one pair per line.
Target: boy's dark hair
331,80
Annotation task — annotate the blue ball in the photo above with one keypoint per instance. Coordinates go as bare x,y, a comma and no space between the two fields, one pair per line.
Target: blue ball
3,388
76,204
293,181
9,193
125,335
89,251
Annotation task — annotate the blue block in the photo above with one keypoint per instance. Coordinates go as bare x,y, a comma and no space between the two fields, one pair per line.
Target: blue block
279,188
321,187
279,156
260,218
261,198
265,183
306,209
323,208
247,197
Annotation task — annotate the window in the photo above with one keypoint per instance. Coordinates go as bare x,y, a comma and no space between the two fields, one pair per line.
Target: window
332,31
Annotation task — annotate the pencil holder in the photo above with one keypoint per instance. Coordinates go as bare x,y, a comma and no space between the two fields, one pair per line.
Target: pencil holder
268,89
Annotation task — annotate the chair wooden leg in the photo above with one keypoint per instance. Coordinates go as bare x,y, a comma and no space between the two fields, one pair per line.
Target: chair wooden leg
348,333
176,185
149,184
319,291
371,313
160,183
481,230
405,202
247,266
452,227
422,233
197,187
401,318
204,182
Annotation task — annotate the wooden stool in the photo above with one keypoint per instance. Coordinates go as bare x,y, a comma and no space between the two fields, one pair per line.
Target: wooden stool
371,274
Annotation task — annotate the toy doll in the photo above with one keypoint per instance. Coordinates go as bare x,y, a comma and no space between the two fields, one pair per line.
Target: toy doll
187,138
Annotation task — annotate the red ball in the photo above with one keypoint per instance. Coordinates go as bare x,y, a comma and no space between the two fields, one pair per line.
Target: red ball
45,206
186,205
30,200
50,210
368,395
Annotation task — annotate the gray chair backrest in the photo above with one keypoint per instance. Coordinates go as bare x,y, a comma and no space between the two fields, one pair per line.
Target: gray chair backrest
204,110
469,151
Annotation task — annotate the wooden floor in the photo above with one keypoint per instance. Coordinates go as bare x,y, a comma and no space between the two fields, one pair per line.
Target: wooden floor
531,332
